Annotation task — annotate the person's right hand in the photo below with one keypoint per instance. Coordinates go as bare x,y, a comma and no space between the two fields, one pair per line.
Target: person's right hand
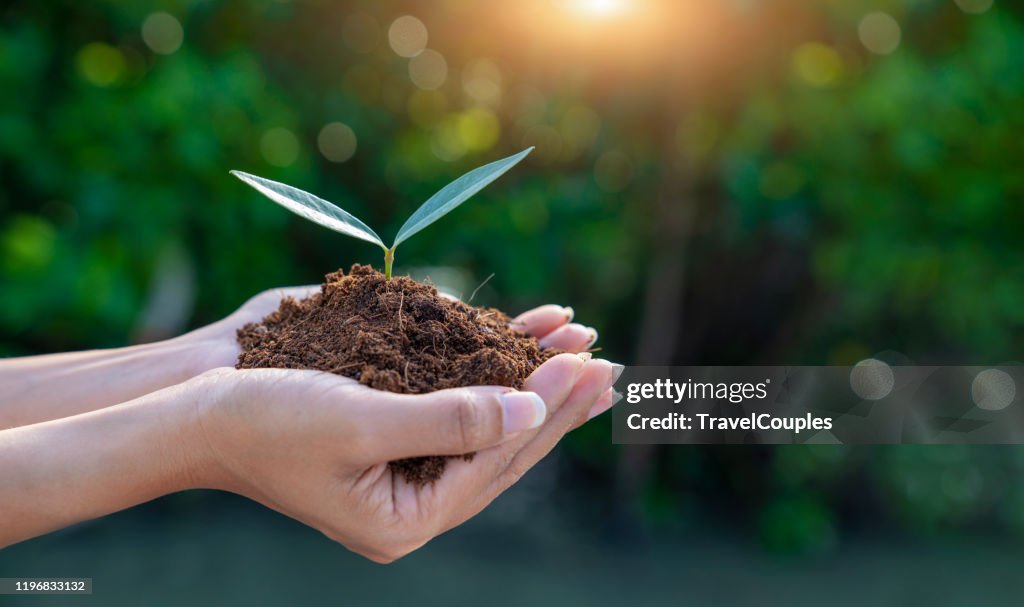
315,446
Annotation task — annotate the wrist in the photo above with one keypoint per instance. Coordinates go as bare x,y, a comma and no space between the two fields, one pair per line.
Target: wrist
107,460
201,436
41,388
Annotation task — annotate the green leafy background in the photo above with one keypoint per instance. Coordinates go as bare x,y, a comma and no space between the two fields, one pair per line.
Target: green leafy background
741,182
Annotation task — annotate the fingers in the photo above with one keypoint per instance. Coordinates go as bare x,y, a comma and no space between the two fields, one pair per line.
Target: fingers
605,402
608,399
573,337
548,324
553,381
502,466
462,481
596,378
538,322
297,292
446,422
474,484
268,301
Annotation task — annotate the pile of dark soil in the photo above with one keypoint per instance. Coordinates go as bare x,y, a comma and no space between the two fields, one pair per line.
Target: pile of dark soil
397,335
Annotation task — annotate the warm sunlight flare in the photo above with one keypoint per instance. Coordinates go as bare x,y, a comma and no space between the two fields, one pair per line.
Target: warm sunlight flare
599,8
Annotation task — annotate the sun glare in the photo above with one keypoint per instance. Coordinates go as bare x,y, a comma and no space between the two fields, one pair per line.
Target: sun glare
599,8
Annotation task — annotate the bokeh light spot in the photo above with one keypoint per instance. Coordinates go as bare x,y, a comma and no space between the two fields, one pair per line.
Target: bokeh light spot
446,143
280,147
428,70
817,64
478,129
872,379
974,7
336,141
613,171
162,33
993,389
100,64
407,36
879,33
481,81
28,243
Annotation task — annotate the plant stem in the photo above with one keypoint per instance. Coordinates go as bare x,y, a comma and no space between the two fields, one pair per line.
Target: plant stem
389,259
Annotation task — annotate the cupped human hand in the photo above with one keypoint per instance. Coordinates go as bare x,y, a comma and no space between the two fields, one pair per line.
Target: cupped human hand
216,344
315,446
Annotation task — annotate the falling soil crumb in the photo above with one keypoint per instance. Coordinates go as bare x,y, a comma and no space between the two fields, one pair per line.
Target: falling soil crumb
398,335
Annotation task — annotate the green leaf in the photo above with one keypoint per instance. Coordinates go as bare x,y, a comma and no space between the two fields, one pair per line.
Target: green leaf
312,208
455,193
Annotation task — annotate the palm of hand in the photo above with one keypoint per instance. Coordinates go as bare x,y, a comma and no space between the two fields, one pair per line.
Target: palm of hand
385,516
337,479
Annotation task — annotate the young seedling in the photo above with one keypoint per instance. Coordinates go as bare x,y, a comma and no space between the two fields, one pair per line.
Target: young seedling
334,217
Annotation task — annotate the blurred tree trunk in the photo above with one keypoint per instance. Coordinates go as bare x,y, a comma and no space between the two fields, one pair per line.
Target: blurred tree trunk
664,297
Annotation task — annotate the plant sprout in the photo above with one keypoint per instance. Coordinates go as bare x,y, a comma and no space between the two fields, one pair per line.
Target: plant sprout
334,217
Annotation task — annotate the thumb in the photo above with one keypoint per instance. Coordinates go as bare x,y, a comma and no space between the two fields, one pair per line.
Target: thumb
448,422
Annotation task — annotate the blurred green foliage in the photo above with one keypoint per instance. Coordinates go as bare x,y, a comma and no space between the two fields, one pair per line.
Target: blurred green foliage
800,181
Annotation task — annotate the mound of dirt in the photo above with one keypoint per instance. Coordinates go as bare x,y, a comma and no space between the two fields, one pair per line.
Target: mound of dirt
397,335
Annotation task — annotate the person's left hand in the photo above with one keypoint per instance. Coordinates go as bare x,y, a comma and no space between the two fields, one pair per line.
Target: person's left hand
315,446
216,345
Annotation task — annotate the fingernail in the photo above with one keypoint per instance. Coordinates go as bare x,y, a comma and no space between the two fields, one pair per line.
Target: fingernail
521,411
593,336
617,370
601,407
585,356
569,313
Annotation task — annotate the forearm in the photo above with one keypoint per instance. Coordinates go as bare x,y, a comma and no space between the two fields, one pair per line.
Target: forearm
60,472
42,388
